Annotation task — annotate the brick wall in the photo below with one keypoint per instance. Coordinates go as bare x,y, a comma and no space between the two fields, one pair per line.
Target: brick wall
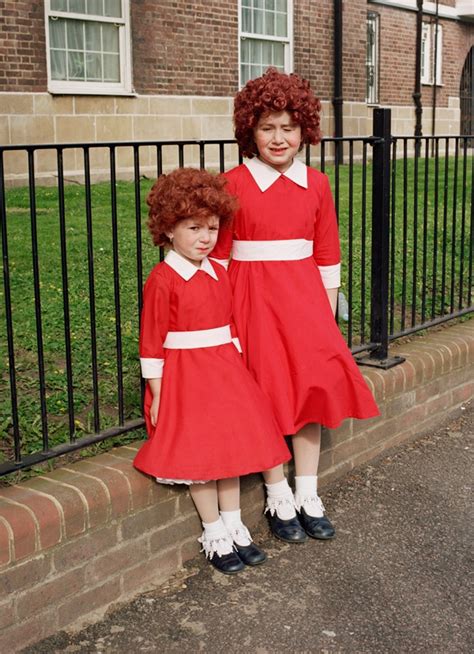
22,46
91,534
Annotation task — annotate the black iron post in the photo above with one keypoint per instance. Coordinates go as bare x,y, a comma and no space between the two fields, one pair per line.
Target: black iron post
379,319
417,93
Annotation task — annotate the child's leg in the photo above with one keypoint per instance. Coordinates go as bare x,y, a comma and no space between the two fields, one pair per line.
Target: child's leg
216,541
281,507
306,449
228,491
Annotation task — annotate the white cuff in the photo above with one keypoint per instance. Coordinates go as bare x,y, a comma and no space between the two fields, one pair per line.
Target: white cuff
222,262
331,275
236,342
152,368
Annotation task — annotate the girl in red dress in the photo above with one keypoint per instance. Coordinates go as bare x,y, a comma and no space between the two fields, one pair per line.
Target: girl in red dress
207,420
285,271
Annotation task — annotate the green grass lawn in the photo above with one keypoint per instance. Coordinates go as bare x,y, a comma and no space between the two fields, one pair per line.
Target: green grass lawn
447,231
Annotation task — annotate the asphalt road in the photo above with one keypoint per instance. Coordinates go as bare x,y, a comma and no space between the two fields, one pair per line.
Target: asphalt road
395,579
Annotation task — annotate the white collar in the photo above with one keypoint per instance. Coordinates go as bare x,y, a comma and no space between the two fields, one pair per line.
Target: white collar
264,175
186,269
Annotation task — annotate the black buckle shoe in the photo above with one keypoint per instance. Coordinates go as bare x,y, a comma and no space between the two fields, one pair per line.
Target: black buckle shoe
229,564
288,530
250,554
320,528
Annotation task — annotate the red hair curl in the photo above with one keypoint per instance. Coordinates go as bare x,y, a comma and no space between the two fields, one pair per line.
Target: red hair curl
187,193
275,92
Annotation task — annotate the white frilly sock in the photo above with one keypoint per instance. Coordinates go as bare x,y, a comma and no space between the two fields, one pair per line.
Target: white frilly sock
215,539
306,496
236,528
280,500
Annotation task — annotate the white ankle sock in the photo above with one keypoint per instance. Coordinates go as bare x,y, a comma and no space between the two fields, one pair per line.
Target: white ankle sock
306,495
280,500
236,528
215,538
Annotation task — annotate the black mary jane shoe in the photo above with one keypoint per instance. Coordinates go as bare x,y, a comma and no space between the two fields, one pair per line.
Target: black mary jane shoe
250,554
319,528
288,530
228,564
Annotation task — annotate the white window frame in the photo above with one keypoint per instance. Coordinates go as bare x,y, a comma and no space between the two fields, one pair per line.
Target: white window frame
287,41
94,88
376,60
428,53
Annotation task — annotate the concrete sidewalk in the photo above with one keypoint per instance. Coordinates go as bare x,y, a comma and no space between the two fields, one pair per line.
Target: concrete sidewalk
395,579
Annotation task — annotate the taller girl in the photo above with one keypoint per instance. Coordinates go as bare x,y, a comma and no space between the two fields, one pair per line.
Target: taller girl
285,272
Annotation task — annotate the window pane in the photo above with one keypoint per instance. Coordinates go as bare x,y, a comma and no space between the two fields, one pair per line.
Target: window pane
246,20
281,25
267,55
95,7
270,4
245,50
113,8
58,5
93,67
269,23
77,6
279,55
75,63
258,22
244,73
258,4
256,52
75,34
110,38
281,6
111,68
93,37
58,64
57,33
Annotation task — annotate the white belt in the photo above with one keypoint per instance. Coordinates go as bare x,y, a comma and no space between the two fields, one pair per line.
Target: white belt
284,250
199,338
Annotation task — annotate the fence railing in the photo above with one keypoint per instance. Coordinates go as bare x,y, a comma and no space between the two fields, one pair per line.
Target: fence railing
76,251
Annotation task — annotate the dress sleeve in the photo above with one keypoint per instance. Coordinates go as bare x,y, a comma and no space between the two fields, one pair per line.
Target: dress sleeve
154,326
326,249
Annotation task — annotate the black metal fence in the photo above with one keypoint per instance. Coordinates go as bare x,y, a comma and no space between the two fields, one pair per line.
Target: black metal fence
75,254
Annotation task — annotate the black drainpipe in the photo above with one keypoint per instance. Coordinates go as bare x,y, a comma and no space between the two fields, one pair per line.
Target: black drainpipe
337,99
435,70
417,94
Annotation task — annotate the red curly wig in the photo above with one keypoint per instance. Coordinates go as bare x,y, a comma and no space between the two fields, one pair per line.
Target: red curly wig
187,193
275,92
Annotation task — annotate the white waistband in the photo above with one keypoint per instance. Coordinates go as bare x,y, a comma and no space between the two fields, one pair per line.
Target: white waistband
284,250
199,338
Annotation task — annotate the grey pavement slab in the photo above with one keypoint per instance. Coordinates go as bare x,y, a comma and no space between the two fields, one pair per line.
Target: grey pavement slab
395,579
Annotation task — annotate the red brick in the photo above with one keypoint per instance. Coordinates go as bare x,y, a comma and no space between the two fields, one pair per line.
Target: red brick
149,519
84,548
25,575
85,603
25,534
93,492
438,404
73,510
7,613
462,394
47,514
139,484
124,556
152,572
19,635
189,549
114,480
172,534
50,593
6,543
346,451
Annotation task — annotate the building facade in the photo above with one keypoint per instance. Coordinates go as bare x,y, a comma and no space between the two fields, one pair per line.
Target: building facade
111,70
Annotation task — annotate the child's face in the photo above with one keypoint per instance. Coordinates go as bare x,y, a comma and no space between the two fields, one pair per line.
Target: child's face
278,139
194,238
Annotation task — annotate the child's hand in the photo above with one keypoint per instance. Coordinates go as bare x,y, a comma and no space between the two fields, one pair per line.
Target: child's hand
155,407
155,387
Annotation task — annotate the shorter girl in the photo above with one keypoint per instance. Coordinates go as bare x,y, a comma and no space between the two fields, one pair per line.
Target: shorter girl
207,420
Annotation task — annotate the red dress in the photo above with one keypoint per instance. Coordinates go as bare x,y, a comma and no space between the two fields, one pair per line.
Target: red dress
290,340
213,422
